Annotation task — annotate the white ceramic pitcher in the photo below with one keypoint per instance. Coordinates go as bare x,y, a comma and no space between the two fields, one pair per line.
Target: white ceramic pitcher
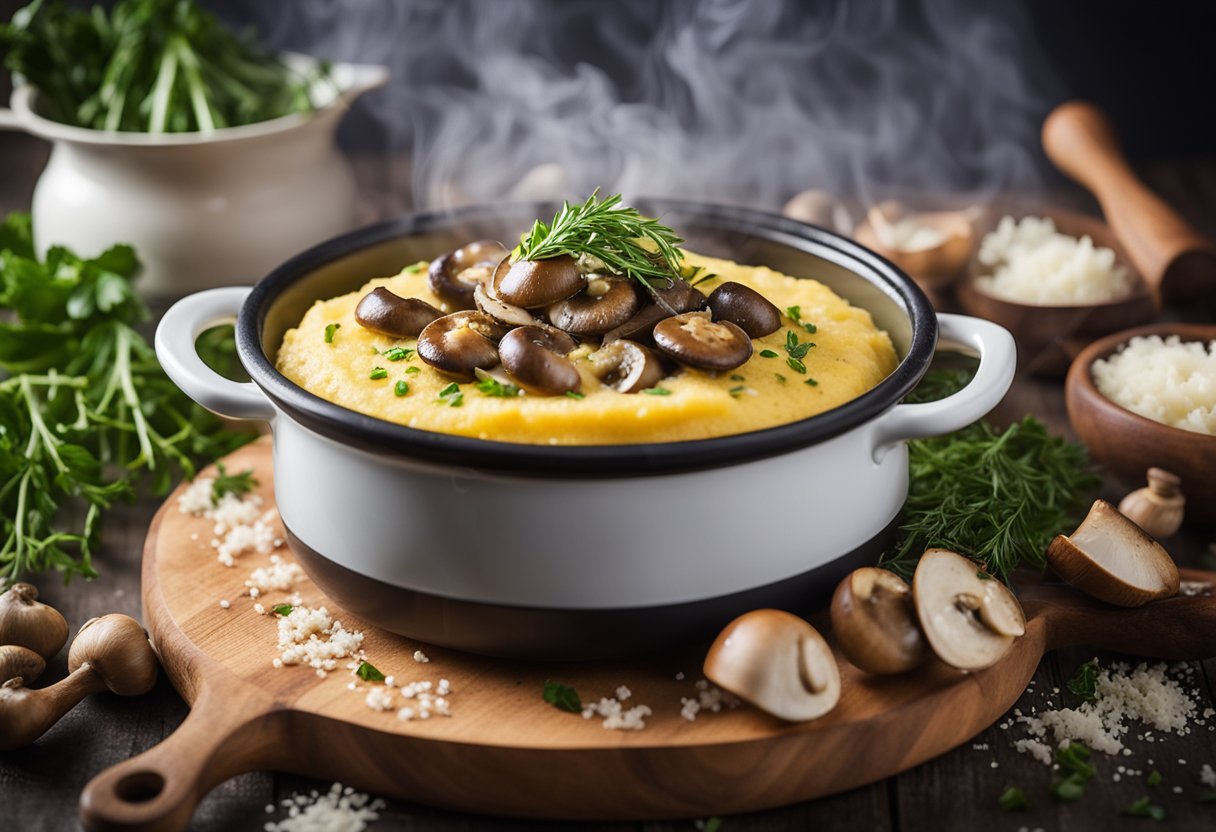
201,210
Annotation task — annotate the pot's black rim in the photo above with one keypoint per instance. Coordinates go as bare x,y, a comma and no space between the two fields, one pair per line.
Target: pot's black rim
382,437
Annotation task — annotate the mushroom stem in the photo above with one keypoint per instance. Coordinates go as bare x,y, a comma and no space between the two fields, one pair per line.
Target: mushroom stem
28,714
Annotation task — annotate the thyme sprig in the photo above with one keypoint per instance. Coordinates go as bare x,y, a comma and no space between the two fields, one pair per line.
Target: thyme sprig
626,242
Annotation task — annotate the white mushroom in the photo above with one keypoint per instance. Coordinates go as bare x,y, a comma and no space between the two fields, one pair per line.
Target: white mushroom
969,618
777,662
1114,560
874,622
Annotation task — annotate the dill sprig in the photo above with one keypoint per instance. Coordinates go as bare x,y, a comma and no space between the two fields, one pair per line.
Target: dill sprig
625,241
996,496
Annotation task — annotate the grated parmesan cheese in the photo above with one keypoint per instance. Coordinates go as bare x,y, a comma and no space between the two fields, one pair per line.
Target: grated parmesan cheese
709,698
310,637
616,717
380,698
341,809
281,575
240,525
420,657
1167,380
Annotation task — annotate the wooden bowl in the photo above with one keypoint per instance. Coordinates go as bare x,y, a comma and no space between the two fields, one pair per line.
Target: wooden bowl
934,268
1129,444
1049,337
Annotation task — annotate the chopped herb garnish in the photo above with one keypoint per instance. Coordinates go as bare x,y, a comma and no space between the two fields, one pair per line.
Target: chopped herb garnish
737,391
1084,683
562,697
794,348
767,354
622,239
657,391
451,395
736,377
1013,799
1073,759
400,389
780,377
1145,808
574,394
368,672
225,483
330,329
377,373
413,371
810,382
810,328
794,312
399,354
282,609
796,365
490,386
1154,779
415,268
694,276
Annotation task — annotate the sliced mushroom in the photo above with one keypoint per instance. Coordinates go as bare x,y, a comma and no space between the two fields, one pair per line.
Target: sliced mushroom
505,312
390,314
969,618
746,308
605,304
1114,560
533,283
455,275
777,662
459,343
677,297
874,622
627,366
535,357
697,341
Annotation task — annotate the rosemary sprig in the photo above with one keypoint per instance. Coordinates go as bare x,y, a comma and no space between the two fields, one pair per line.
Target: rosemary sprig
626,242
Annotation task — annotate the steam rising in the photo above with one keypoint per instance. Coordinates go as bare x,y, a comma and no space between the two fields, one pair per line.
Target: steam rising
741,101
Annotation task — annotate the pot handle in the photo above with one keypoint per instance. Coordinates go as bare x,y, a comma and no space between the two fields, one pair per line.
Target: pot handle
8,120
176,335
998,355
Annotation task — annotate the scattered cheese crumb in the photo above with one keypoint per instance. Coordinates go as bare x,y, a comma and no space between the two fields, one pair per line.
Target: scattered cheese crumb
341,809
420,657
1207,776
380,698
623,693
280,575
708,698
309,636
428,698
224,604
616,716
240,525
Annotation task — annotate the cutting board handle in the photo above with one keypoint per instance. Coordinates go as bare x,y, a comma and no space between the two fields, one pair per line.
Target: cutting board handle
159,789
1170,255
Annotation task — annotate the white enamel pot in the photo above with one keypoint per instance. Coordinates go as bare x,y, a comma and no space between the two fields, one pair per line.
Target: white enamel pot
578,552
202,209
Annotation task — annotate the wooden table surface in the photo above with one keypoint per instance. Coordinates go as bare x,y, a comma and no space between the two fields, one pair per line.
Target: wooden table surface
39,785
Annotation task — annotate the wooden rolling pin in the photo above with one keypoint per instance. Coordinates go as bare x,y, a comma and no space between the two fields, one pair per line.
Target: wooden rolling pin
1175,259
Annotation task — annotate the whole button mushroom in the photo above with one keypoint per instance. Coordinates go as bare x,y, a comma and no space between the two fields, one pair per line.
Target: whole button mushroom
627,366
874,621
605,304
675,298
455,275
535,357
533,283
460,343
746,308
389,314
27,622
696,341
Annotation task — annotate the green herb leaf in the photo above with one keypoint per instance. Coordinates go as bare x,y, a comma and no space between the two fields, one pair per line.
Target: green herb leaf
451,395
810,328
377,373
767,354
626,242
737,377
225,483
1069,789
400,389
657,391
780,377
1013,799
368,672
737,391
399,354
574,394
282,609
810,382
1084,683
796,365
1154,778
794,312
415,268
490,386
562,697
1145,808
413,371
330,331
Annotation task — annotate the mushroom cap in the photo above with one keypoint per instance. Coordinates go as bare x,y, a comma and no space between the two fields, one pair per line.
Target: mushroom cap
533,283
696,341
20,662
535,357
460,343
604,305
777,662
1114,560
499,310
26,621
746,308
874,622
389,314
627,366
116,647
454,275
969,621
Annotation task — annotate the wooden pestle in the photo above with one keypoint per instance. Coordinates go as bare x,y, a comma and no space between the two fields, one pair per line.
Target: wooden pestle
1175,260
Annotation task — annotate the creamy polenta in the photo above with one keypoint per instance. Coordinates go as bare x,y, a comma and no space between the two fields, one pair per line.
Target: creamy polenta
351,368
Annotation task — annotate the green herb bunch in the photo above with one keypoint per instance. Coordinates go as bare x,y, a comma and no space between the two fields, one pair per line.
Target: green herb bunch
626,242
999,497
155,66
86,411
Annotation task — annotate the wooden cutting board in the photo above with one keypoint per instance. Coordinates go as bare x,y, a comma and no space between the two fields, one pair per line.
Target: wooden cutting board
504,751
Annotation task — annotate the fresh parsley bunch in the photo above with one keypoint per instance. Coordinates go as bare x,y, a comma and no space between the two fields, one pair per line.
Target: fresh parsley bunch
86,413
